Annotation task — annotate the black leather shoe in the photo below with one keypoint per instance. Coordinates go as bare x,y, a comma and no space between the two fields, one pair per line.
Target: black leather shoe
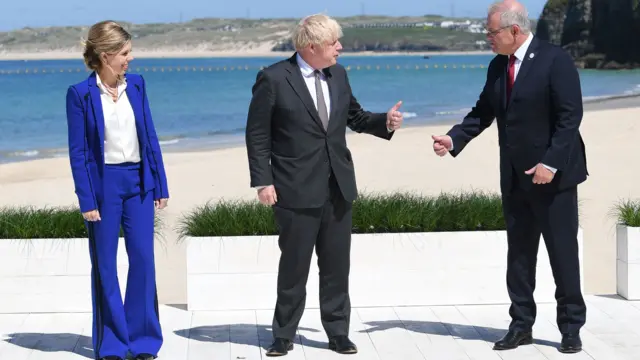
570,344
513,339
342,345
280,347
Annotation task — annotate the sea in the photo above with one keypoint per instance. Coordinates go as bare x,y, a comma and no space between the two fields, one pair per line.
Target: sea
201,103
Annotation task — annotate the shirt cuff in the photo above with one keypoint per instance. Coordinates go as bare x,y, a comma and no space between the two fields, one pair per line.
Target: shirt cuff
553,170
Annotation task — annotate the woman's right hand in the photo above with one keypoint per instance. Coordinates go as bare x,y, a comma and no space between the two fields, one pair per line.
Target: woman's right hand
92,215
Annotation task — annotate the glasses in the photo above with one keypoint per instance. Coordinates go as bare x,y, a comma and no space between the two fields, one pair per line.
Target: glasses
493,33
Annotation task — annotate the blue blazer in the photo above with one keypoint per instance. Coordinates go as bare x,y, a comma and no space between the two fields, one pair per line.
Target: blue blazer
85,121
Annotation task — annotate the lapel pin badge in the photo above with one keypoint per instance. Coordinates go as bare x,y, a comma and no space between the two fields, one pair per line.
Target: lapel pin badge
531,55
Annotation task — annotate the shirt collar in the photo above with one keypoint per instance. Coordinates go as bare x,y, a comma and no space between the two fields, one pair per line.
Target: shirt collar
305,68
121,85
522,50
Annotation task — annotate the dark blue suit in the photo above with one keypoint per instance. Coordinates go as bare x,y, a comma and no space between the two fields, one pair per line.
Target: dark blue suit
538,124
124,194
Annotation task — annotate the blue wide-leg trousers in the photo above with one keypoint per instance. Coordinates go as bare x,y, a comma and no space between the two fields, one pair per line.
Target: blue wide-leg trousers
133,326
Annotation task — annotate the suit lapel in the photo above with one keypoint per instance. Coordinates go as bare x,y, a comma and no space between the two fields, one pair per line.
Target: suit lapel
503,85
96,104
529,58
136,105
333,95
297,83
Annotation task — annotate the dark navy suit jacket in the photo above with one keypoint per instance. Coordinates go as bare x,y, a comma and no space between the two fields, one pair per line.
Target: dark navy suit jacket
539,124
85,121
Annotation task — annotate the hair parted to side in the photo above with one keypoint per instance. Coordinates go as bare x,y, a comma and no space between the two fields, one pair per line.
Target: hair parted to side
511,15
104,37
315,29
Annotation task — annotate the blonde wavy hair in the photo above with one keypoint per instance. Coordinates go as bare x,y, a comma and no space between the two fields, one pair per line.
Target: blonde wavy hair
104,37
316,29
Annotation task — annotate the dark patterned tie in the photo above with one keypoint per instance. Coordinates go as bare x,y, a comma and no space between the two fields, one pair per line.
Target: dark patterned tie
322,105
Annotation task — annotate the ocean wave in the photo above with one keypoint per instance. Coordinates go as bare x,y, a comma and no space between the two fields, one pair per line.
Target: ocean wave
452,112
169,141
626,94
409,115
226,131
26,153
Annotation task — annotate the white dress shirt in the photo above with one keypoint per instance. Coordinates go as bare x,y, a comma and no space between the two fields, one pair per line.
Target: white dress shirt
120,134
310,79
520,54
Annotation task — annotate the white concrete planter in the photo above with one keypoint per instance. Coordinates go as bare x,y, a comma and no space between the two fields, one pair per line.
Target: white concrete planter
628,262
49,275
227,273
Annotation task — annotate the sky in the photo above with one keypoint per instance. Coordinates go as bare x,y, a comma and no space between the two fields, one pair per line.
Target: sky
37,13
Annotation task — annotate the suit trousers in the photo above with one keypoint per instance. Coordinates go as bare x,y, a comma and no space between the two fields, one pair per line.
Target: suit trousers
553,214
132,326
328,228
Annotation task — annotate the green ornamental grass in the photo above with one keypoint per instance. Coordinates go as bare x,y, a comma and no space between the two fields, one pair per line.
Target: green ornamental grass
627,213
372,213
26,222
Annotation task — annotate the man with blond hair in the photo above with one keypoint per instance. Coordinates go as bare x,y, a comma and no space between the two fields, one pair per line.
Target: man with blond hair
301,167
533,89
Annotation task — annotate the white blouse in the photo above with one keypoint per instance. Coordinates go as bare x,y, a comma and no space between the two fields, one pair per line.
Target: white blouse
120,134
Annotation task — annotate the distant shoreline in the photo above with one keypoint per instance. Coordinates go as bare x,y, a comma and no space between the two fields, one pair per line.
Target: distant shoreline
68,55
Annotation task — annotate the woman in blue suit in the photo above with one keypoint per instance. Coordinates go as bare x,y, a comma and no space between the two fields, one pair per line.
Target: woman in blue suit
120,180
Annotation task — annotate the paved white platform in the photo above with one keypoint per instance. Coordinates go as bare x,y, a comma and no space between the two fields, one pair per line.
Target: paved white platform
612,332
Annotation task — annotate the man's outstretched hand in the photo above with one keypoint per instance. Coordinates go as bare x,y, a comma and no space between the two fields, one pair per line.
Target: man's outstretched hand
442,144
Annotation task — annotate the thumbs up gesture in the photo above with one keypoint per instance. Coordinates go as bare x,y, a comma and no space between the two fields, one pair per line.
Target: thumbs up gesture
394,117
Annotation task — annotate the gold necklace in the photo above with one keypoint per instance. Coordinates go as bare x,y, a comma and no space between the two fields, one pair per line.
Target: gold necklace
112,91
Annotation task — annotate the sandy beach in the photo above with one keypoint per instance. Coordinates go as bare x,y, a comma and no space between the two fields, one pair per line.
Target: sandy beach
406,163
260,52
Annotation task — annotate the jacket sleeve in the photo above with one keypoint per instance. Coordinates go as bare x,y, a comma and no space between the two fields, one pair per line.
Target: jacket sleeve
78,148
477,120
362,121
161,190
566,96
258,131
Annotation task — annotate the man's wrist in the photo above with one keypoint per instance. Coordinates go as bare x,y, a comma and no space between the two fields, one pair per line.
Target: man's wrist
552,169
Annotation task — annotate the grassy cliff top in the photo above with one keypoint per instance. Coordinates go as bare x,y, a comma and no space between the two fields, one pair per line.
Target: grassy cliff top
206,33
